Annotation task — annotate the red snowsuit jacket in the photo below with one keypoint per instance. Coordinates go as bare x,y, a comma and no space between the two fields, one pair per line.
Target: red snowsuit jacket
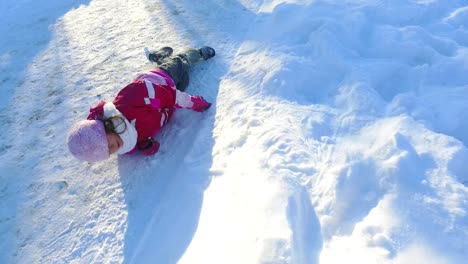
148,103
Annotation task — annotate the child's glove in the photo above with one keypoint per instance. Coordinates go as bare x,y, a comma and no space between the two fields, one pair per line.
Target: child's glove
200,104
149,146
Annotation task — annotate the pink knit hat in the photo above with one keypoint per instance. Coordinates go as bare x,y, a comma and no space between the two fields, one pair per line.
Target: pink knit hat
87,141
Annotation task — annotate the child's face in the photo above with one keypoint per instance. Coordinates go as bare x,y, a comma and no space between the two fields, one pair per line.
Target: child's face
114,142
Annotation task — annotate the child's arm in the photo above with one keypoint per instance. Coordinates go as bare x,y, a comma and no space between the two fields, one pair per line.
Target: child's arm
196,103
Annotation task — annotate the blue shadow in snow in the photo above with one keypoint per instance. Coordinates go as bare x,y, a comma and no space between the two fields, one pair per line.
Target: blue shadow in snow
305,226
164,193
25,31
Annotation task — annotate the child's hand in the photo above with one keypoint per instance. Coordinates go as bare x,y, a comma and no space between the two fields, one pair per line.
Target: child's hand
200,104
149,146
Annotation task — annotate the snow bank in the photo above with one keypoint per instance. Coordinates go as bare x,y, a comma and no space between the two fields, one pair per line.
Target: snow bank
337,134
351,112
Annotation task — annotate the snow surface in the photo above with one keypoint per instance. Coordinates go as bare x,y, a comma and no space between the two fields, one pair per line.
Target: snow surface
338,133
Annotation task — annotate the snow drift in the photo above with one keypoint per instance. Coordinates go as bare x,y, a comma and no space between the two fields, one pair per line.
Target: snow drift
336,135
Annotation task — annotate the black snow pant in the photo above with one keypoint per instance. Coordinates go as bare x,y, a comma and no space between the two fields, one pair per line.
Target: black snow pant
178,67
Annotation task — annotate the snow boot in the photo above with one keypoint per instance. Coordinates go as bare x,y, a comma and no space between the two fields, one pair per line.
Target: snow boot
207,52
159,55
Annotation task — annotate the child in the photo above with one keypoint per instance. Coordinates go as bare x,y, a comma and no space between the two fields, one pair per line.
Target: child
140,109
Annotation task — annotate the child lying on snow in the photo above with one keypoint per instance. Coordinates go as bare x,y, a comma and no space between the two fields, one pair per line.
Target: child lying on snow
140,109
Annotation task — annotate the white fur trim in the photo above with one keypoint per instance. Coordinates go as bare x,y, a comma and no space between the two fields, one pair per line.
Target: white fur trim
129,136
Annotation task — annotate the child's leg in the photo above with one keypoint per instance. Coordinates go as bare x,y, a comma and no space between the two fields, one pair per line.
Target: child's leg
192,55
178,67
183,83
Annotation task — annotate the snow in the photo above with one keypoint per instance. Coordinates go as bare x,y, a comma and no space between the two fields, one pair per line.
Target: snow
337,133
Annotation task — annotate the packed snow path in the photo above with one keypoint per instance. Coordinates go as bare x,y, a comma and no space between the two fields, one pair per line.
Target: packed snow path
336,134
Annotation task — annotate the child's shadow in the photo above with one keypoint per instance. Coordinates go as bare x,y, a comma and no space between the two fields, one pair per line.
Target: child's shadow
164,193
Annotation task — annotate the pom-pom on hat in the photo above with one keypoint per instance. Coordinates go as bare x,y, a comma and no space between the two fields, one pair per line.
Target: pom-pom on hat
87,141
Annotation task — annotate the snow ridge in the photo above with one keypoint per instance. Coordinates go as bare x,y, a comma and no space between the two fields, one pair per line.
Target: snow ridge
336,134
